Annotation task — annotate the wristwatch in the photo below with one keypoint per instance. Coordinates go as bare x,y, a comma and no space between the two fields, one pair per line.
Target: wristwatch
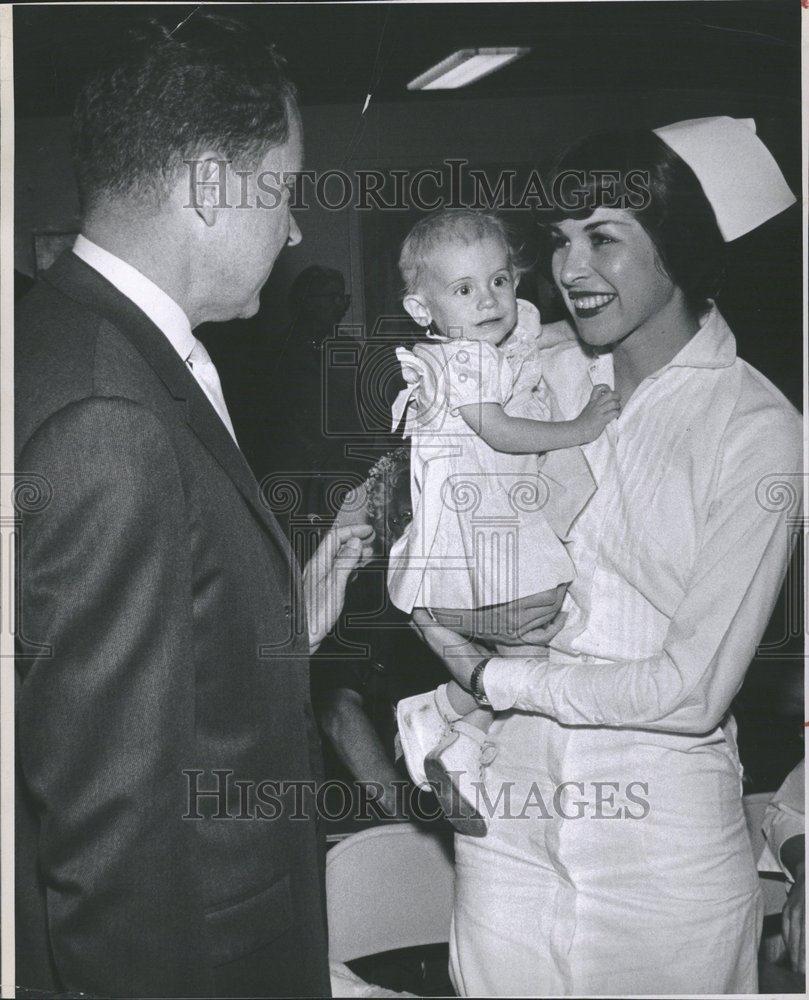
476,684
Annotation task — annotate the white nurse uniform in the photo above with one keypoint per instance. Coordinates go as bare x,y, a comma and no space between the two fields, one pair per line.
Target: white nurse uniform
637,876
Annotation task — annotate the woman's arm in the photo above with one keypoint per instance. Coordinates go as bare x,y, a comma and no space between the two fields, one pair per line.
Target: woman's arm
687,686
520,436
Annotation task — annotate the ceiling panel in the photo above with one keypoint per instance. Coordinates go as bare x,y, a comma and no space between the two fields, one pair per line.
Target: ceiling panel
337,53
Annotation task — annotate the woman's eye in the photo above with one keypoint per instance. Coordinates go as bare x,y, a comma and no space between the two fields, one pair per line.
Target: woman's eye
601,239
558,241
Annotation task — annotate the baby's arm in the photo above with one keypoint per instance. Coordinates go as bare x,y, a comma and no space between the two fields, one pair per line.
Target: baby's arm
461,701
519,436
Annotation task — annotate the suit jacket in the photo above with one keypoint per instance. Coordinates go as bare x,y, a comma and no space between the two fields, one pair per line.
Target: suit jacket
159,657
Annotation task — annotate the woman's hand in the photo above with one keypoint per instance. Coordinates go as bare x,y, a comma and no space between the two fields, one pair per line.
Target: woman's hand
326,575
533,620
459,655
539,638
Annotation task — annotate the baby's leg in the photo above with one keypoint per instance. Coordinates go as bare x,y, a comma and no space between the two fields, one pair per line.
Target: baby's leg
461,701
464,704
480,718
455,767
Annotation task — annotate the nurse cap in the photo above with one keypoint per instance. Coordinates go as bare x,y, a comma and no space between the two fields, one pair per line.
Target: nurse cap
738,174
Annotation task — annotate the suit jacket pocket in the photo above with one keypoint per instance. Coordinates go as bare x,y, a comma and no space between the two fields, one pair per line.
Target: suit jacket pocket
242,927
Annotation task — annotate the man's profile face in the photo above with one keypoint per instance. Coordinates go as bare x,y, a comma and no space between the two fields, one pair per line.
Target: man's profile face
253,236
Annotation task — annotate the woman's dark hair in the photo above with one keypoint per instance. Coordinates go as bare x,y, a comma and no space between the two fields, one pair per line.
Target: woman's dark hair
660,189
169,95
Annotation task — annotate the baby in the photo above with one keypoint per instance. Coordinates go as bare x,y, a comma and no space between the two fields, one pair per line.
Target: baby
479,415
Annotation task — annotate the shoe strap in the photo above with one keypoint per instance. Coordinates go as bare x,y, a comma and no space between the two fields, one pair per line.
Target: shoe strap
443,705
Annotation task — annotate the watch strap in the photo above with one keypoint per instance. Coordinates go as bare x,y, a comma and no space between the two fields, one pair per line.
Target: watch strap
476,684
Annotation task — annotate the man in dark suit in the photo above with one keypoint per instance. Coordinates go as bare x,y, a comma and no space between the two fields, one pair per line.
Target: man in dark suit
163,674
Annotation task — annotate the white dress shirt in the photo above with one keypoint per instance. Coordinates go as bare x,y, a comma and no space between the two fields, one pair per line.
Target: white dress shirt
680,555
166,315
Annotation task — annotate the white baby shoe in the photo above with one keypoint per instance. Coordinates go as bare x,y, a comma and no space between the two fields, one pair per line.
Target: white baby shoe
423,722
454,769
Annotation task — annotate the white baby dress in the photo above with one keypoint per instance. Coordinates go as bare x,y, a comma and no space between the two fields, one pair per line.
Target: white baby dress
486,525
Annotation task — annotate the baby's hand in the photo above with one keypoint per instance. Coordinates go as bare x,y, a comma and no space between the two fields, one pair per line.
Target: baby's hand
603,406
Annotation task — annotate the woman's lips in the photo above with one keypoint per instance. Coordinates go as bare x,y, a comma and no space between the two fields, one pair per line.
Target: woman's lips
590,304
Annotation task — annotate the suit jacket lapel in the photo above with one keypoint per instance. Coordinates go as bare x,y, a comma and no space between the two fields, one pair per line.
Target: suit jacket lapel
75,278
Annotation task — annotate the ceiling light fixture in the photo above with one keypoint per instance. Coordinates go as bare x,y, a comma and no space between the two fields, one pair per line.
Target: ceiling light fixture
464,67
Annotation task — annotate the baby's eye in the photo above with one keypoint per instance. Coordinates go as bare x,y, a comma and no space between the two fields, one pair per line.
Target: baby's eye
463,290
502,279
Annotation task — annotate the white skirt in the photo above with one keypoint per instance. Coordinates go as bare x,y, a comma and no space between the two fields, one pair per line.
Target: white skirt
636,878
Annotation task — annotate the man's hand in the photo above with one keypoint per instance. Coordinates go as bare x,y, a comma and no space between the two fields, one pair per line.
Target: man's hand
532,620
460,655
326,575
793,922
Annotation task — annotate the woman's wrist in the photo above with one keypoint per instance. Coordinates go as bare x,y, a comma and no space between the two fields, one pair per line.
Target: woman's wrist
476,688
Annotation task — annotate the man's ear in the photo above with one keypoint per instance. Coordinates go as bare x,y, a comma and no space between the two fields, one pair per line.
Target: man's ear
418,309
208,177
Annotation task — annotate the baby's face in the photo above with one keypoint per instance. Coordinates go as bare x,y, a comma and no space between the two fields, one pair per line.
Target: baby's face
469,291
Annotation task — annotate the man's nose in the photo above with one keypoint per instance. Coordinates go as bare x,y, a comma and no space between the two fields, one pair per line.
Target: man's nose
295,234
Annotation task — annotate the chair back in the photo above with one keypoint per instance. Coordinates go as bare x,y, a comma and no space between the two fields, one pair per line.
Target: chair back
386,888
773,887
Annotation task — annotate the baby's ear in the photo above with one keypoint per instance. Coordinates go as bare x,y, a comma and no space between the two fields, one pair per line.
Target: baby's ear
417,309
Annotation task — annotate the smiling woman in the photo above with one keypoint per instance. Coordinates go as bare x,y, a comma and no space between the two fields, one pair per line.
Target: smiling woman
683,237
678,563
610,275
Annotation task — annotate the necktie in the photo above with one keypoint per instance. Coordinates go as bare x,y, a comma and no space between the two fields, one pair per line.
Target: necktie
204,371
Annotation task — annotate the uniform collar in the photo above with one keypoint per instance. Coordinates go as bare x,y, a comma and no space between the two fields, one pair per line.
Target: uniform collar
712,346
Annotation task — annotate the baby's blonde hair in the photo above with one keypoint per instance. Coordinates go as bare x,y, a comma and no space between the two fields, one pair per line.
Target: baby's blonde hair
464,225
